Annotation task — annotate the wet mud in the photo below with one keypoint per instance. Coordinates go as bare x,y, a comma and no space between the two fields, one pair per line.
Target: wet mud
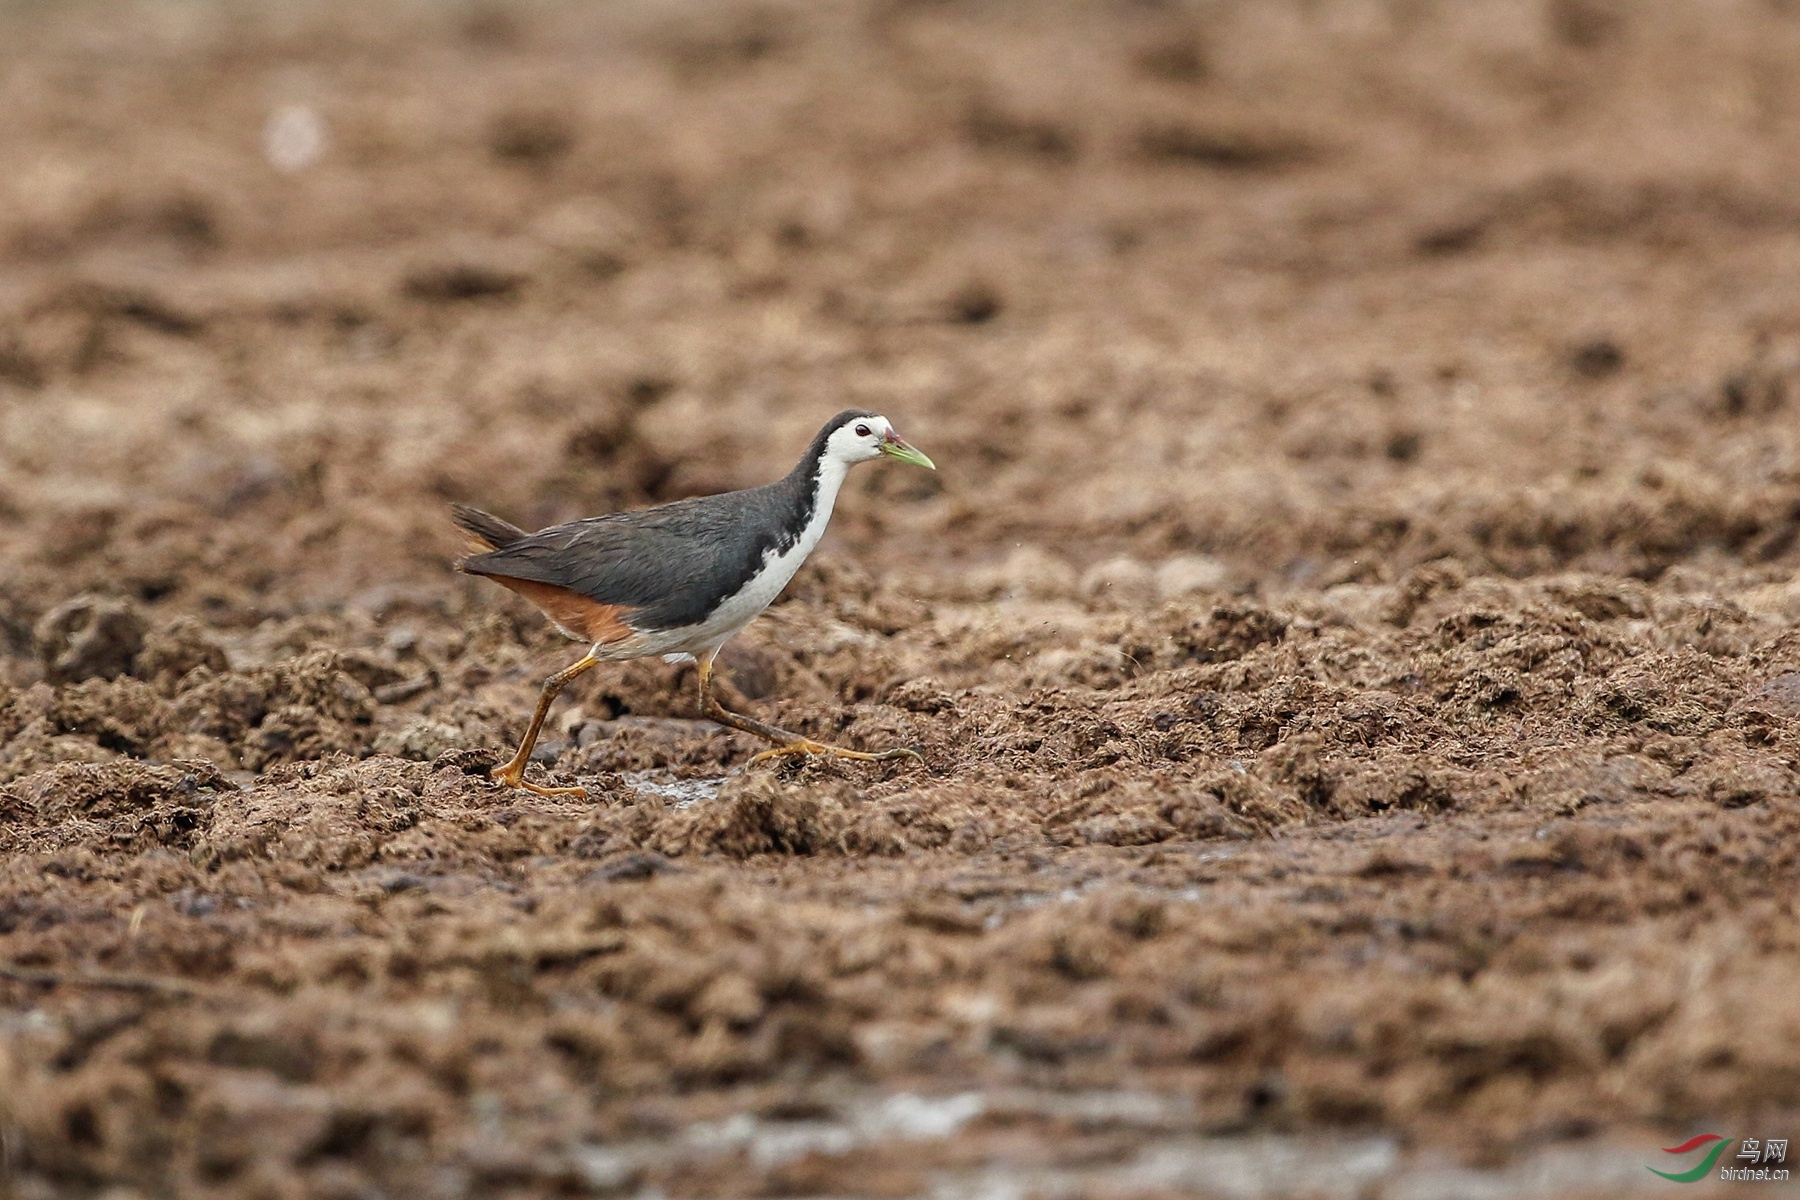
1350,637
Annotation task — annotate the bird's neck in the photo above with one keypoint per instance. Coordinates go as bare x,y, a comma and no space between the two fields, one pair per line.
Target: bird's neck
824,476
813,486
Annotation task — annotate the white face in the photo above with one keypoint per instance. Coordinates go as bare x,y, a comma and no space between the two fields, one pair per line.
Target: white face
859,441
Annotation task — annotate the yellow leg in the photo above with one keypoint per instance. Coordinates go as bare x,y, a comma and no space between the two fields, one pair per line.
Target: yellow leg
785,743
513,773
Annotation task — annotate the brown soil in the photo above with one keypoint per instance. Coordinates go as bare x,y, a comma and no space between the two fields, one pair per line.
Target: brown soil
1350,635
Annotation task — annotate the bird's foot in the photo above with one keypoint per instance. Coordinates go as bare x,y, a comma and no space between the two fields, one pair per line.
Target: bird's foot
514,777
809,747
580,793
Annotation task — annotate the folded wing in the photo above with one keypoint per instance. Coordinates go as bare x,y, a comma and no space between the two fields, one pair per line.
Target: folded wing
661,568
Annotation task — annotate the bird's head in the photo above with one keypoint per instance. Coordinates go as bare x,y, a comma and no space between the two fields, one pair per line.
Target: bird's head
855,437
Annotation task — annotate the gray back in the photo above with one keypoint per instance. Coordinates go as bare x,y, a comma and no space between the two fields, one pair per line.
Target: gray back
675,562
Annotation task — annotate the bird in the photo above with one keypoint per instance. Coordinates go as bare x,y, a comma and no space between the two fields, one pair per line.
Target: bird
678,580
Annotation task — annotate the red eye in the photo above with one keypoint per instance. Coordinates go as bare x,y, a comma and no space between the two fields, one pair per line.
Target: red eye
862,431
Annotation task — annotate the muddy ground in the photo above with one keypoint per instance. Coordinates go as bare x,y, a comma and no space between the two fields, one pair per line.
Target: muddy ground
1350,635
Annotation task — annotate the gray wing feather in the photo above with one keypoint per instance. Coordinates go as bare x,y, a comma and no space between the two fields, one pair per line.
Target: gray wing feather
485,526
672,563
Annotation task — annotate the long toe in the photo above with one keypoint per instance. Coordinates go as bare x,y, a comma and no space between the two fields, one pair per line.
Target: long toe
900,752
787,751
820,749
578,792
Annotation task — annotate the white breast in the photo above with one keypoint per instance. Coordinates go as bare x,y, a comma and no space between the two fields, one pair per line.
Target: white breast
741,608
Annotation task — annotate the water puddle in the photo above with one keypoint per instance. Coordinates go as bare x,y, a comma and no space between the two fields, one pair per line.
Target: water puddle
1169,1158
859,1122
685,793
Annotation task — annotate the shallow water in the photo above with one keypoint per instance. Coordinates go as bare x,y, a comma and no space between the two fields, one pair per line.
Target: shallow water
684,792
1169,1158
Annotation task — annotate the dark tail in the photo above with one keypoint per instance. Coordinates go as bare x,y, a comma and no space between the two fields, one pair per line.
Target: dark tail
488,531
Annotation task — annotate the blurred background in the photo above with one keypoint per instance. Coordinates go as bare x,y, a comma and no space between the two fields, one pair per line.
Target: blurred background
1305,292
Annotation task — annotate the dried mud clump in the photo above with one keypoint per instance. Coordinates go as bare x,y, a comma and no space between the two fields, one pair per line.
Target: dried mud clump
111,805
303,708
189,704
86,637
762,816
171,651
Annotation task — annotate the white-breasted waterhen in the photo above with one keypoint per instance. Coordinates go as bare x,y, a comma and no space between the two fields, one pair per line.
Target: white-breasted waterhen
679,579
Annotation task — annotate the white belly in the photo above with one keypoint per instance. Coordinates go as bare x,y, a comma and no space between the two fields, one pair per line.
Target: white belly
743,606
